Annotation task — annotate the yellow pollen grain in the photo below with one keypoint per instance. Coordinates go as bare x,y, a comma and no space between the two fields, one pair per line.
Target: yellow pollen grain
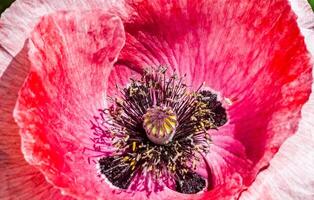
133,146
126,138
148,150
202,124
126,158
193,118
174,168
138,157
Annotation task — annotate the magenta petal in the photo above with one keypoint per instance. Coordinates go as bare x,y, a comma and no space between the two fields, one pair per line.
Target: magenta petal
18,179
259,64
71,54
290,174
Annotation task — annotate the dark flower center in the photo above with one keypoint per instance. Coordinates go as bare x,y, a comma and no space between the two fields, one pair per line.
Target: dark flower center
160,127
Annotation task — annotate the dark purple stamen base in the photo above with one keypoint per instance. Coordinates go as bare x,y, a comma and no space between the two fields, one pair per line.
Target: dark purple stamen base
190,183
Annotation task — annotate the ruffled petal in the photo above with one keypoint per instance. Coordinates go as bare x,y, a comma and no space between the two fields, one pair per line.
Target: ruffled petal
16,23
20,18
305,20
290,173
71,54
18,179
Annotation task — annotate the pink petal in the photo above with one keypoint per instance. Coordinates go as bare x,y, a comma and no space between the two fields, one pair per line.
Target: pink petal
290,174
18,179
305,19
120,77
63,91
18,21
259,63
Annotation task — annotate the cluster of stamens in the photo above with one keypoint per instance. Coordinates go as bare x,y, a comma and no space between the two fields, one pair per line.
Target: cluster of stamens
157,125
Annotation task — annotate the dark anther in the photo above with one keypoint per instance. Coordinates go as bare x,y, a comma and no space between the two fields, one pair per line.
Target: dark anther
118,173
190,183
218,112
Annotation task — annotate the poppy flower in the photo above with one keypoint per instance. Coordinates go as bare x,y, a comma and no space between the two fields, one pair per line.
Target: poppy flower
156,100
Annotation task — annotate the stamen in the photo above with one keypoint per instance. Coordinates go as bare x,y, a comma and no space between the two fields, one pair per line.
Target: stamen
158,125
190,183
118,171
